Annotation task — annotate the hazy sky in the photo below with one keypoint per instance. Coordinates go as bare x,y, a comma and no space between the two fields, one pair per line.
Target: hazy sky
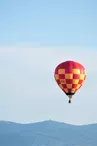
35,36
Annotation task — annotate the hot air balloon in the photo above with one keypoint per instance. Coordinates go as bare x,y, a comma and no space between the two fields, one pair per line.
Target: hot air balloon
70,76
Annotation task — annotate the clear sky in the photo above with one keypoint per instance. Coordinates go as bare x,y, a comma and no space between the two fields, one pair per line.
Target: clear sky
48,22
34,37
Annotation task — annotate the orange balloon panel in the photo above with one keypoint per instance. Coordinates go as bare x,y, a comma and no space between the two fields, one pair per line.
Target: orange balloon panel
70,76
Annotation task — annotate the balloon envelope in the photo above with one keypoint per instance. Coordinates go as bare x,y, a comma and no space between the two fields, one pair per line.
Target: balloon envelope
70,76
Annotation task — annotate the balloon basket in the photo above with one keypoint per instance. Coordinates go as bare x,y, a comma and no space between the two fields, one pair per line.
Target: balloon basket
69,101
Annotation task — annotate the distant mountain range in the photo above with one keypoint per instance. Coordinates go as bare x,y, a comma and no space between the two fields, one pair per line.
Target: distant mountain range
47,133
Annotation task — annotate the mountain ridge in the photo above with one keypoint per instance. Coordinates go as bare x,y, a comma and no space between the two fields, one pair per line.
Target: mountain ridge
47,133
45,121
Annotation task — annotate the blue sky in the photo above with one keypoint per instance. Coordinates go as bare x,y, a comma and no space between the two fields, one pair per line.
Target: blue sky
35,36
50,22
